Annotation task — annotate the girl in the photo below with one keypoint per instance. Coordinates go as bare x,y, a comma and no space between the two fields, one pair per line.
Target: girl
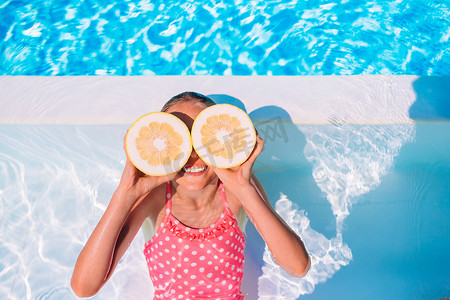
197,250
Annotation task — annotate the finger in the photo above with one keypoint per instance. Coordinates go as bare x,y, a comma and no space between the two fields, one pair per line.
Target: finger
257,149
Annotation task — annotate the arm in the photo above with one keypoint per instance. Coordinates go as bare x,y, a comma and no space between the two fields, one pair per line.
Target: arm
287,248
127,210
285,245
107,244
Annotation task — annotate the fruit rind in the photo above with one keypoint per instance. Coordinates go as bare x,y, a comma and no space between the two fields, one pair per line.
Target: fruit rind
179,128
239,146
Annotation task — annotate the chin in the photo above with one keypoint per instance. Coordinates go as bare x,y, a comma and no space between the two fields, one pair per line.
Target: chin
195,182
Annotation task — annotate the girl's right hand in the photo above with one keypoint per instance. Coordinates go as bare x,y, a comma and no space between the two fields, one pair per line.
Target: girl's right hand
116,229
136,183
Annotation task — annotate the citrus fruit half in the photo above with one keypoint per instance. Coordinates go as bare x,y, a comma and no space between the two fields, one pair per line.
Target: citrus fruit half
158,144
223,136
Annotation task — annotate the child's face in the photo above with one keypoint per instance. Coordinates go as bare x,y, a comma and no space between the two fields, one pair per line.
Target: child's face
194,180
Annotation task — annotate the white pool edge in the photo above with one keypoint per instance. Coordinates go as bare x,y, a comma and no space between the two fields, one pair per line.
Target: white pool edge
362,99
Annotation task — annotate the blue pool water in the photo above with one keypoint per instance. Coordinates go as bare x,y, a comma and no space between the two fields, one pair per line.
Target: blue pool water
44,37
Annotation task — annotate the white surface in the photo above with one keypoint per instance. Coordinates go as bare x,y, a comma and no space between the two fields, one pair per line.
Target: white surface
121,100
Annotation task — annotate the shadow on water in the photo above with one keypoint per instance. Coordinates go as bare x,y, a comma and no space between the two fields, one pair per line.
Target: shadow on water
433,99
431,206
283,170
404,219
397,173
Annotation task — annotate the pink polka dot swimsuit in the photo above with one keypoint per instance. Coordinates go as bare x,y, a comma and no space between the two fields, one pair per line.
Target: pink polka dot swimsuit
190,263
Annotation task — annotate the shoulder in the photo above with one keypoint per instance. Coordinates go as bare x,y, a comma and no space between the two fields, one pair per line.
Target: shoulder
236,205
233,203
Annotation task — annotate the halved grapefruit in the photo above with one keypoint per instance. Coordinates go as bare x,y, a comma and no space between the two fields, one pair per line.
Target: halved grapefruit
223,136
158,144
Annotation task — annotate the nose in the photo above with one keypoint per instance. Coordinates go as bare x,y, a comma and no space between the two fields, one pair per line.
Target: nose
194,154
194,158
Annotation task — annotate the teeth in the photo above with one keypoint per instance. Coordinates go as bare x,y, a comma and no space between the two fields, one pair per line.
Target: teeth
194,170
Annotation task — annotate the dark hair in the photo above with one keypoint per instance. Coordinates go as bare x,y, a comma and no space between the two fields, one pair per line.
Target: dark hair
187,96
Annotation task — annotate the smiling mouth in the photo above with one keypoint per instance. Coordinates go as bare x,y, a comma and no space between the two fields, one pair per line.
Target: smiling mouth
194,169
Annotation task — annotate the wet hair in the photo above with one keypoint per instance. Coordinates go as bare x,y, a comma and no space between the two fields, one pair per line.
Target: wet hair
188,96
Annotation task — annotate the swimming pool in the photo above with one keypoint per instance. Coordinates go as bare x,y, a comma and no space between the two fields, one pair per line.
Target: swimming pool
361,162
363,177
349,37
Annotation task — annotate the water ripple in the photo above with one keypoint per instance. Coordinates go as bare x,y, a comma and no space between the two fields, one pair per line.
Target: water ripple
327,257
47,37
350,160
54,187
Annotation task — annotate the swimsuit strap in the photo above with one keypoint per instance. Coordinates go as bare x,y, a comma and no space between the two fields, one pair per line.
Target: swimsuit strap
168,197
222,195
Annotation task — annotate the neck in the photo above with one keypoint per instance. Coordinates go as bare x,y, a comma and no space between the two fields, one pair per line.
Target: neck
195,198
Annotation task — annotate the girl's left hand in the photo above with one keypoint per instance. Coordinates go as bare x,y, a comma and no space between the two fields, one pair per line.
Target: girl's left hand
240,176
